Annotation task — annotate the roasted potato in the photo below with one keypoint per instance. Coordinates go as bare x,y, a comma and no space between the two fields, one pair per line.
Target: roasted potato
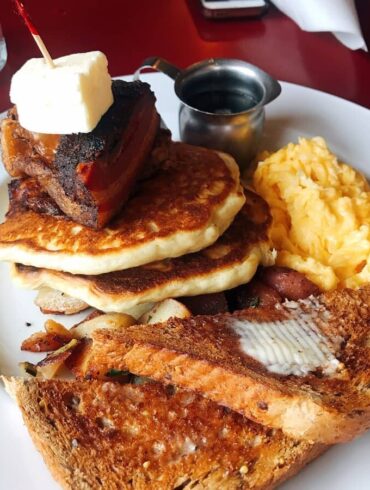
44,342
49,367
51,364
57,328
164,310
108,320
51,301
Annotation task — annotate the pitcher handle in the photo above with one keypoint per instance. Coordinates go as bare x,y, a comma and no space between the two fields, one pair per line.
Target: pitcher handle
158,64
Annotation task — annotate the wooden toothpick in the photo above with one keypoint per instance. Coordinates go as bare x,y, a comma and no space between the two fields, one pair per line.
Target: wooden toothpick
36,36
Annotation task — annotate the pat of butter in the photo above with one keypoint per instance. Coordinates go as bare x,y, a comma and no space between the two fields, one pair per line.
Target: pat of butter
70,98
292,346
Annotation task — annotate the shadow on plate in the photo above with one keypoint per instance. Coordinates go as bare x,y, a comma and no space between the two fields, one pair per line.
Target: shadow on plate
278,132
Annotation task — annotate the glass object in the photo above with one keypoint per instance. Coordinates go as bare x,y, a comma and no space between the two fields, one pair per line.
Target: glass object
3,51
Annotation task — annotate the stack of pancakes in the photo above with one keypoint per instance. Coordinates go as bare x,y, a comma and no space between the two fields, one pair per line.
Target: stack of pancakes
188,229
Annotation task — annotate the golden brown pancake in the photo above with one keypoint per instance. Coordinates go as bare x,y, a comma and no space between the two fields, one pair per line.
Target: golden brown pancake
229,262
184,207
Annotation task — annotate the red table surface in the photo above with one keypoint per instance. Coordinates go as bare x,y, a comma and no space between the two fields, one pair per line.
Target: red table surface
127,31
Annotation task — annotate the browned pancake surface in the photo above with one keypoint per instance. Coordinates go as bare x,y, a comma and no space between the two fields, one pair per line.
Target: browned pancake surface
178,198
248,229
188,202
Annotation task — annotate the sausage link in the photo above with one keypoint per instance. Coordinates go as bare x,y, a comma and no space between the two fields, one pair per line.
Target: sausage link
255,294
289,283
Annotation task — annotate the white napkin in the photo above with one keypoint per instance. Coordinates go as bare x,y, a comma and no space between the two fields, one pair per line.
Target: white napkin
336,16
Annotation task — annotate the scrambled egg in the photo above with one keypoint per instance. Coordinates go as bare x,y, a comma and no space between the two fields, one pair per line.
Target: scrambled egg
321,214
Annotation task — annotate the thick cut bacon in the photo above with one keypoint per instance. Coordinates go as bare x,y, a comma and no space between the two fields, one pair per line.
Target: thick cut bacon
88,175
27,194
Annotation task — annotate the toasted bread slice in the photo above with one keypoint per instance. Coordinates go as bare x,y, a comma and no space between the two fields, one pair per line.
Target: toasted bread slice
301,367
232,260
95,434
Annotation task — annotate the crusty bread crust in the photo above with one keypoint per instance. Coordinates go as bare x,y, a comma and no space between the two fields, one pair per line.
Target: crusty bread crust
203,354
95,434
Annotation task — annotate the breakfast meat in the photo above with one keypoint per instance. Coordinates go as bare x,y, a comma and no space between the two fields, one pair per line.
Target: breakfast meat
159,157
88,175
254,294
288,283
206,304
271,286
27,193
182,208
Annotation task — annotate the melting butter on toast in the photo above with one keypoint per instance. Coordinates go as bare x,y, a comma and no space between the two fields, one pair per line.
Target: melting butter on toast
319,392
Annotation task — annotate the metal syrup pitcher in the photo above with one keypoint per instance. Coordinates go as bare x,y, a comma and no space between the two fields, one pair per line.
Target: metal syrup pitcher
222,103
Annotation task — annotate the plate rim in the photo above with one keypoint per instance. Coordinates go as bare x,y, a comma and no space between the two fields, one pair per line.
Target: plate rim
294,86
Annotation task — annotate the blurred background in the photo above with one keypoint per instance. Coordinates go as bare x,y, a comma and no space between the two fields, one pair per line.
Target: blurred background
127,31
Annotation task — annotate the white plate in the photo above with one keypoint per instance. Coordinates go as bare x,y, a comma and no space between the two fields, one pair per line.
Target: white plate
298,111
